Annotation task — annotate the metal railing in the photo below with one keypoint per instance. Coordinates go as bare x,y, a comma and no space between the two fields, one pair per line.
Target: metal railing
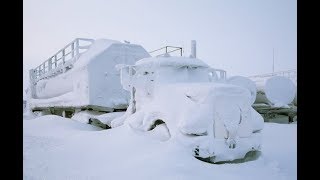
58,63
291,74
168,49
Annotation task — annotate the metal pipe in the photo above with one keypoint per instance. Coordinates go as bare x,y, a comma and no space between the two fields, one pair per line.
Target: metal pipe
193,49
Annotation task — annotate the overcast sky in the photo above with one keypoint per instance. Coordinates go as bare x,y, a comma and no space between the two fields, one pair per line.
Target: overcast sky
235,35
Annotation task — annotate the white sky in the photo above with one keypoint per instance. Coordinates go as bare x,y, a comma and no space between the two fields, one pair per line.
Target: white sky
235,35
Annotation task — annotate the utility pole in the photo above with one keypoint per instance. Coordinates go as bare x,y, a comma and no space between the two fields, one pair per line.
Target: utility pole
273,60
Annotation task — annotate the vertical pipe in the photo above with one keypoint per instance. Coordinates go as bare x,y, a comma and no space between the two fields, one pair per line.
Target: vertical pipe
193,49
273,60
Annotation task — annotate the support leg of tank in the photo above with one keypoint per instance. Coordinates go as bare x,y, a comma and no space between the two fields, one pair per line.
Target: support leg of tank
290,119
51,110
64,113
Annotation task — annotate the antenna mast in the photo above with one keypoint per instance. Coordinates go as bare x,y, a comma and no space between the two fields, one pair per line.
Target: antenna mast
272,60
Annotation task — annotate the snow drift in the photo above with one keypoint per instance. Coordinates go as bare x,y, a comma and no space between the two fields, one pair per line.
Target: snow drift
60,148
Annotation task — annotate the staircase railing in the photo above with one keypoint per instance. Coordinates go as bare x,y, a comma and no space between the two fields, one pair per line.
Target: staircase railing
168,49
291,74
61,60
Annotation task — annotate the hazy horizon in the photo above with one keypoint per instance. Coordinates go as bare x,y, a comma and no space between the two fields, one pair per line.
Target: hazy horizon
238,36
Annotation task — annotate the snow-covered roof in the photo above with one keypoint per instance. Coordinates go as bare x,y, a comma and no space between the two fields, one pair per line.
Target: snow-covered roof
95,49
172,61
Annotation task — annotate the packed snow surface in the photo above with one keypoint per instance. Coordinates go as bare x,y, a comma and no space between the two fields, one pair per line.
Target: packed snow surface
59,148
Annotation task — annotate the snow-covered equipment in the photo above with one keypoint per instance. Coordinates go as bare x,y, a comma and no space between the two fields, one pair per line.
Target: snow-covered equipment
245,83
82,75
277,91
276,95
191,103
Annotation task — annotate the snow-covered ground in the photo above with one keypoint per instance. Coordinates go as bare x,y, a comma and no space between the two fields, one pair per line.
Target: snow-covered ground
59,148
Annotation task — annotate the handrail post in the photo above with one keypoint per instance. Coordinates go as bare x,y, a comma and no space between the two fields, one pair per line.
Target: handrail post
63,56
72,49
50,64
77,47
55,61
44,68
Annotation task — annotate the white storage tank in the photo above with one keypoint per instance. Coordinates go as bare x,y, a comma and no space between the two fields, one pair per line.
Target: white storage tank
277,91
92,79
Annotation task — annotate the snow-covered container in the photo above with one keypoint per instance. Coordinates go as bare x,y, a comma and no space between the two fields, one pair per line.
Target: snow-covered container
246,83
87,80
189,103
277,91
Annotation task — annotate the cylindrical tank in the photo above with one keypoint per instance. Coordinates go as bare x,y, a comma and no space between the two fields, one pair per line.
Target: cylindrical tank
56,86
245,83
276,90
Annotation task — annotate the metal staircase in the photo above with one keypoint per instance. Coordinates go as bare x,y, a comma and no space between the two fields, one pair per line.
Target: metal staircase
61,61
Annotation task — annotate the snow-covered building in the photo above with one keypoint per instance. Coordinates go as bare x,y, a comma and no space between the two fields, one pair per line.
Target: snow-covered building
73,80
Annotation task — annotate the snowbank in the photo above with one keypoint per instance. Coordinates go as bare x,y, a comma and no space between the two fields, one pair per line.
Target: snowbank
84,116
59,148
105,118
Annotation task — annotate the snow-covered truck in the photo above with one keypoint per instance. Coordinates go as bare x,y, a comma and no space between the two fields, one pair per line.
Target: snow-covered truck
82,76
185,100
